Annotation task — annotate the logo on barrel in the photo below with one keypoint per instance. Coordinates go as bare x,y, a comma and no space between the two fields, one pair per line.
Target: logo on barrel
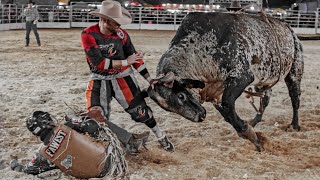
55,143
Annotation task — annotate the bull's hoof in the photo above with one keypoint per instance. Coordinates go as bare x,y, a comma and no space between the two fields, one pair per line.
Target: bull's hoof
292,127
258,146
253,137
256,120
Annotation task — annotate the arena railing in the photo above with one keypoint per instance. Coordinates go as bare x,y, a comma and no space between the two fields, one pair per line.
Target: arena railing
77,15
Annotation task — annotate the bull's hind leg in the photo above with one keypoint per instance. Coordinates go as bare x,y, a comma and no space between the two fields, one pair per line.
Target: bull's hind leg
293,81
264,102
234,87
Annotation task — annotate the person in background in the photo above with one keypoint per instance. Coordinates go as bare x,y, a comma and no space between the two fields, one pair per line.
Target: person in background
32,17
111,57
234,7
79,147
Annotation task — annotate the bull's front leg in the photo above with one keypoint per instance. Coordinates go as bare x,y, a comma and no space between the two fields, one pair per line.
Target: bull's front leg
234,86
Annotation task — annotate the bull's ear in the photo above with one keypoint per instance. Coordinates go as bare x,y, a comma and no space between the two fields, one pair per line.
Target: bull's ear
191,83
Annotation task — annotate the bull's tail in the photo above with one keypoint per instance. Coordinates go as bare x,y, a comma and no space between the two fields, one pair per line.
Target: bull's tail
298,51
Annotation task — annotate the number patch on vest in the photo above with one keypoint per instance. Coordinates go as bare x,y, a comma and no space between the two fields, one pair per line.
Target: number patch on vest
67,162
55,143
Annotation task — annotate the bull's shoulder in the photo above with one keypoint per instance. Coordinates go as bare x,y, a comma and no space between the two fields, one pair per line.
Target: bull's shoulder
225,27
201,23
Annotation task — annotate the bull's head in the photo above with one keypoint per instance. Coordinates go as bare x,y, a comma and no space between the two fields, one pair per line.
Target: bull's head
171,94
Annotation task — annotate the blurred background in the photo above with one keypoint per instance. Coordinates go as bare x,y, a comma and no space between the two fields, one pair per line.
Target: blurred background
302,15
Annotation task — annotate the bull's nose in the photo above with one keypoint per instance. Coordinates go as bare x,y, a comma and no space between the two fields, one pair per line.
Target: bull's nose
202,116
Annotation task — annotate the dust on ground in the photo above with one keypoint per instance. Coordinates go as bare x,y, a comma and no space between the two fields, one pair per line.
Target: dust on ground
47,77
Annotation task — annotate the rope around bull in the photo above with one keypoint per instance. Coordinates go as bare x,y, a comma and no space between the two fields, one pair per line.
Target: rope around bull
263,13
250,93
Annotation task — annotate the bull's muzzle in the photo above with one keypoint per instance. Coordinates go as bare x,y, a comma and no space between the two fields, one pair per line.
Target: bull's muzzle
201,116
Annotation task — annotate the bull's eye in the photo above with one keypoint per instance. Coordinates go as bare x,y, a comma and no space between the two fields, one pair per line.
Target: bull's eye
182,97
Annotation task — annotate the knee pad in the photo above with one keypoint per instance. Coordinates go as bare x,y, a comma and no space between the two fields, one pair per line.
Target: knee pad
141,113
151,123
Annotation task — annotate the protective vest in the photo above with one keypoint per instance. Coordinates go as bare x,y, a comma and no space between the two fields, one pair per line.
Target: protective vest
76,154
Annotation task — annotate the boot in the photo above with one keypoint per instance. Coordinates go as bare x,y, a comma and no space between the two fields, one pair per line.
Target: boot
136,142
27,42
166,144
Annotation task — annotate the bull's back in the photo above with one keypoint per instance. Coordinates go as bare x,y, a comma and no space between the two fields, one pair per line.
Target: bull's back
266,45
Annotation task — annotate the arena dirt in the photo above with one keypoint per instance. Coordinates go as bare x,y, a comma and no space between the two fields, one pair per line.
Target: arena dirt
47,77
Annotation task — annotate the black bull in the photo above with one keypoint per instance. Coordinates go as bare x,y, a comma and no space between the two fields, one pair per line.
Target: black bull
219,55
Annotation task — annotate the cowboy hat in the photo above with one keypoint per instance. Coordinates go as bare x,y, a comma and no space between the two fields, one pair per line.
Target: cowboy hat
234,6
113,10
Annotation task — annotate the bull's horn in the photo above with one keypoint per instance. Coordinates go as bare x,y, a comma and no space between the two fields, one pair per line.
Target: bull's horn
169,77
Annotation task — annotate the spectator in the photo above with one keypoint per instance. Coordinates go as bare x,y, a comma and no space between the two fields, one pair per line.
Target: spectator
32,17
234,6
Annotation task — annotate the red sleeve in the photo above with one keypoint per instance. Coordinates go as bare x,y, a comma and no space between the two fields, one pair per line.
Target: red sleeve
137,65
93,53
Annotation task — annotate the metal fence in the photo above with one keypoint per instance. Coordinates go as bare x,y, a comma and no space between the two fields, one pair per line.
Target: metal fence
77,15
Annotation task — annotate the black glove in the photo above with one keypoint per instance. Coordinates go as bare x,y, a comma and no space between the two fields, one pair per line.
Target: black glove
91,127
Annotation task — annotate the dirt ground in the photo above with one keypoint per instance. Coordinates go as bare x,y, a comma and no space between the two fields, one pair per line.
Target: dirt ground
47,77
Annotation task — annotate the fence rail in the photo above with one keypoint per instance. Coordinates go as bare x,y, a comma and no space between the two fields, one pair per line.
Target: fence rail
77,15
